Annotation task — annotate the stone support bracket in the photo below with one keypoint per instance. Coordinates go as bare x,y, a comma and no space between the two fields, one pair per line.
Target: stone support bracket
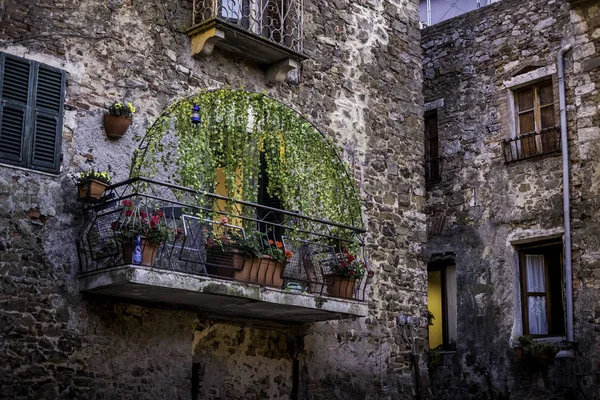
204,43
276,73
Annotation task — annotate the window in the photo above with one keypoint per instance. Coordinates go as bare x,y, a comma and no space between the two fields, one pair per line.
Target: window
432,158
535,126
542,289
441,299
31,100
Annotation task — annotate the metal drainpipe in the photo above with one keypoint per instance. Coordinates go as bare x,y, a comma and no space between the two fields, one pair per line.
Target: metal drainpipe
566,192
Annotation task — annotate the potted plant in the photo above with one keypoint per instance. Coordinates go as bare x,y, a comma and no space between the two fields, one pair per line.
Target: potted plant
348,270
141,232
224,248
118,119
266,259
92,184
529,349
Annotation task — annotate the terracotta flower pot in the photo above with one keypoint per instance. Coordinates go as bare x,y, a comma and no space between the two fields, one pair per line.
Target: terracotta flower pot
148,252
341,286
91,190
115,126
264,271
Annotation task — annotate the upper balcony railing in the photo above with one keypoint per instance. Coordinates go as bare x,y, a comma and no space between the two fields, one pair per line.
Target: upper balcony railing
278,21
214,237
532,144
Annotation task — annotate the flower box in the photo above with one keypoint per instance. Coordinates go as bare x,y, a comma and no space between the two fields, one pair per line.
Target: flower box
341,286
265,271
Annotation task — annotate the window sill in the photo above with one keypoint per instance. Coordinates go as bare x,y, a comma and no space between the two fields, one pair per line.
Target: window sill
34,171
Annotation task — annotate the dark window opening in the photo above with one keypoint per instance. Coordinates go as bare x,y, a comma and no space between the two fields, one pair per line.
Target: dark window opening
542,289
31,104
268,217
433,162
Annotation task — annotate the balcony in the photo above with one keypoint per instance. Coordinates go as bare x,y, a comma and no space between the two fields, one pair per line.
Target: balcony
532,144
268,32
226,257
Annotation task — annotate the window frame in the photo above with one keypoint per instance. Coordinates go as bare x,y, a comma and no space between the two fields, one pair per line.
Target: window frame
543,248
433,164
442,267
33,115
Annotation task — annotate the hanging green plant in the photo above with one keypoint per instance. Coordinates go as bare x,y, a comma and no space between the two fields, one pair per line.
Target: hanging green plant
303,169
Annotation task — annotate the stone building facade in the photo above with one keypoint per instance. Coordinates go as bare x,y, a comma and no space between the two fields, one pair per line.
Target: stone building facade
490,209
360,86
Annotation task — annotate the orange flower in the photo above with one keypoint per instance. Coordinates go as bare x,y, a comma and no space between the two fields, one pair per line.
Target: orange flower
279,245
288,254
271,243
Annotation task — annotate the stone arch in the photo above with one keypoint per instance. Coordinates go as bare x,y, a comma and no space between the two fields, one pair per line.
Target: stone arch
227,116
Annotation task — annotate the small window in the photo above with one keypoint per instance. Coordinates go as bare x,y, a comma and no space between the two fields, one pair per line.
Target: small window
433,162
542,289
31,105
441,297
535,123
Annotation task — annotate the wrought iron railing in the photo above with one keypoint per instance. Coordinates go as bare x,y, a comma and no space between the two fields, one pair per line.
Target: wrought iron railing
213,236
279,21
532,145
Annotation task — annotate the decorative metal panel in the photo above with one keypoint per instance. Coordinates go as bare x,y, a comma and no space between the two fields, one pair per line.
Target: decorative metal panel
279,21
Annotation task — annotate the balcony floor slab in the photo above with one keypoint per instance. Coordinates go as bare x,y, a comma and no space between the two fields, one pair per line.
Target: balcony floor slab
221,297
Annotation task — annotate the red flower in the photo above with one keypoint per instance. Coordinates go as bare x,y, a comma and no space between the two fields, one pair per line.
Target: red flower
127,203
288,254
143,214
371,272
128,213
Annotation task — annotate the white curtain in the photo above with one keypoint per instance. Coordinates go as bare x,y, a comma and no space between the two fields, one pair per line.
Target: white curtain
536,282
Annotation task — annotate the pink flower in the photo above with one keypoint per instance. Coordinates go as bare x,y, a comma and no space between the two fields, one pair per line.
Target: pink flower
224,220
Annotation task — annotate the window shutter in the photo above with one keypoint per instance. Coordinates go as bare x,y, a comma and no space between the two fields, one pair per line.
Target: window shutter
47,127
14,84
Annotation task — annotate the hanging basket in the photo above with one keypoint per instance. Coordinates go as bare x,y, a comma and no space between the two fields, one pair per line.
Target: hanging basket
115,126
91,190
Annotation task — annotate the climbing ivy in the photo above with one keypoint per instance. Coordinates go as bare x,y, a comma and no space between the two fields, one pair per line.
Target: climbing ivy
303,169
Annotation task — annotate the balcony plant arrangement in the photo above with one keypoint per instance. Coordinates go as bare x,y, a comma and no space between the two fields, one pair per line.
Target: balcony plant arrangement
92,184
347,272
265,260
141,233
533,353
118,119
224,245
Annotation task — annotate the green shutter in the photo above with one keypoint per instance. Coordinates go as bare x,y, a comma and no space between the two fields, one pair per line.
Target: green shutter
14,87
47,127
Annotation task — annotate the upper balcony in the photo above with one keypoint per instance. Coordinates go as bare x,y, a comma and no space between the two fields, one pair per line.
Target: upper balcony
154,242
268,32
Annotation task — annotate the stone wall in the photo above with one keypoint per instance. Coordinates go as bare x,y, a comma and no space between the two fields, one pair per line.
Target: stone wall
482,208
361,86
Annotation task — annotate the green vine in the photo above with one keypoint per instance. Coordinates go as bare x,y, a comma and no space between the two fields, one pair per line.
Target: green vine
302,167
